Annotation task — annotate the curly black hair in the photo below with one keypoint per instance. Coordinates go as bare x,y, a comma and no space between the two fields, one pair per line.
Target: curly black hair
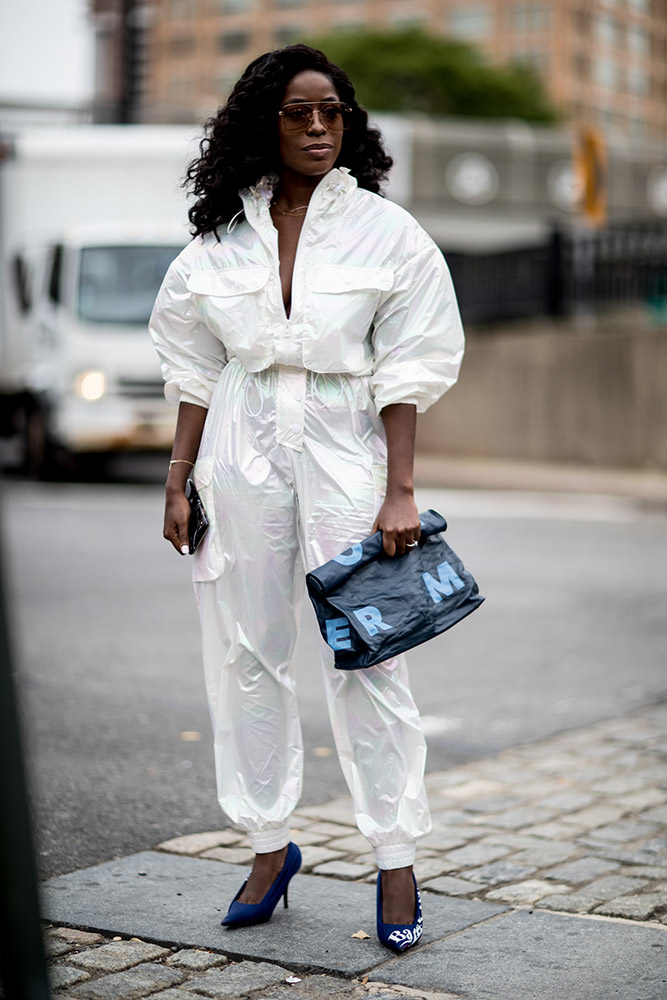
240,143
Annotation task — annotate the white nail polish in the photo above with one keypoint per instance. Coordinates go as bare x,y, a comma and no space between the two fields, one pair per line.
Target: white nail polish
185,549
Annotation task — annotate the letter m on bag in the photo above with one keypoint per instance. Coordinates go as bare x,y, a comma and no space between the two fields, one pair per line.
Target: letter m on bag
445,585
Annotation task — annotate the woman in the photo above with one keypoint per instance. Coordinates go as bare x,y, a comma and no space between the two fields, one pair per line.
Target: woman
301,331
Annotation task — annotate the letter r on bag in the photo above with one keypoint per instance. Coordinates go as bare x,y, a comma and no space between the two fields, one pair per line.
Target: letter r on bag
338,633
371,619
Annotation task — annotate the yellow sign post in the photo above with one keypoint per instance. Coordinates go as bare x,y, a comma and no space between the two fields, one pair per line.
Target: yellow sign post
590,165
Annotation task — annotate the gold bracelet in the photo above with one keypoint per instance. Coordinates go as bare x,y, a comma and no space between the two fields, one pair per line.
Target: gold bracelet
174,461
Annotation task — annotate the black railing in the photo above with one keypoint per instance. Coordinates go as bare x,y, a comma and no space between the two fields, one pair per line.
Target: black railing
577,269
508,284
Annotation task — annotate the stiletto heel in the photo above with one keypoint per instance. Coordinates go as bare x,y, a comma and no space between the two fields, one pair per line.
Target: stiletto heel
245,914
399,936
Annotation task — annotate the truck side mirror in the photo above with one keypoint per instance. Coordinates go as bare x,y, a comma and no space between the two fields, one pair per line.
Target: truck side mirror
21,276
55,274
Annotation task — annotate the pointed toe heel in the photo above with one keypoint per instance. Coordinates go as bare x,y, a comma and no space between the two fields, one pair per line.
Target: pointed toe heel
246,914
398,937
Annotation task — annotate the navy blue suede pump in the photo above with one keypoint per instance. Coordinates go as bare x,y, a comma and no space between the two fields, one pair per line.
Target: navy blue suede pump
245,914
398,937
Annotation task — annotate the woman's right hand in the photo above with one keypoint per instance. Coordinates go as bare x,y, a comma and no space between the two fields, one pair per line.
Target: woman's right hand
189,427
176,519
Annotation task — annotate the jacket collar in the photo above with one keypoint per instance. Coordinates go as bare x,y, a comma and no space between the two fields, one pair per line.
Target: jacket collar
334,187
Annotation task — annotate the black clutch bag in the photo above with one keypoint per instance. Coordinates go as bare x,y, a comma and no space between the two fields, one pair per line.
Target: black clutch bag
198,524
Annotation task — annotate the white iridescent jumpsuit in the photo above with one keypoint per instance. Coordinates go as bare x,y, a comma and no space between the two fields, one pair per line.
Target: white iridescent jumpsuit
292,469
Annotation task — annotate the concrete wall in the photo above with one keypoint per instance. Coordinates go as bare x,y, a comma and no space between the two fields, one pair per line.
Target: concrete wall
557,394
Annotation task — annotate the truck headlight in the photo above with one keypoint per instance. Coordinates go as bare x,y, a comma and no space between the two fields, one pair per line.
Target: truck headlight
91,385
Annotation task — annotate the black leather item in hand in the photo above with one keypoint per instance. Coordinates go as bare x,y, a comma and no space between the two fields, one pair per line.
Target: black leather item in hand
198,524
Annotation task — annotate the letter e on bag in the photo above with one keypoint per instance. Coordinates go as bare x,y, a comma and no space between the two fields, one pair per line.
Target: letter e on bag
338,633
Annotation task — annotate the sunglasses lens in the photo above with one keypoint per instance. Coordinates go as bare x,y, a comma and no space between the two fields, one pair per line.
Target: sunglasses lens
298,117
332,116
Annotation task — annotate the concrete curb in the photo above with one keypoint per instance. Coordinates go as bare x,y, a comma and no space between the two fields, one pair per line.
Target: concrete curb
648,487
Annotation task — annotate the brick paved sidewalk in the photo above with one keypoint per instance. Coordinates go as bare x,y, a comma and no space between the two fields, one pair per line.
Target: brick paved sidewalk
96,968
575,824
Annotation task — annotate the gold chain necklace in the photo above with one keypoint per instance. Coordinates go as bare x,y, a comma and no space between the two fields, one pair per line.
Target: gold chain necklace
290,211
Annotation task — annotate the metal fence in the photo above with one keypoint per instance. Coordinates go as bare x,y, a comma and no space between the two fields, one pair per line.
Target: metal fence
577,269
507,284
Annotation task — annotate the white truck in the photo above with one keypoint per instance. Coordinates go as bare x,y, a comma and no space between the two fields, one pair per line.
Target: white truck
90,218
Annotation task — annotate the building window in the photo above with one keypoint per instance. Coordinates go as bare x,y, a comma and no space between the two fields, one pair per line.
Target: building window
605,73
536,59
531,19
581,65
349,26
182,8
471,22
236,6
287,3
638,41
606,30
288,34
403,22
637,81
181,45
234,41
643,6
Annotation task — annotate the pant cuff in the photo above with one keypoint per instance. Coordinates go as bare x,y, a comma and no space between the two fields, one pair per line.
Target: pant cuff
264,841
396,855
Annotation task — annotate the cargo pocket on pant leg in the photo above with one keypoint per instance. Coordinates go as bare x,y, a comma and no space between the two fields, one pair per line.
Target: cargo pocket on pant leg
207,560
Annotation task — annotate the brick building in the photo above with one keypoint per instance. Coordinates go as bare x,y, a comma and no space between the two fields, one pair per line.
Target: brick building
603,61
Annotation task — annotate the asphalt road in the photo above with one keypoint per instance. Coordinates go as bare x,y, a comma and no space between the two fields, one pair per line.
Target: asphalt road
107,648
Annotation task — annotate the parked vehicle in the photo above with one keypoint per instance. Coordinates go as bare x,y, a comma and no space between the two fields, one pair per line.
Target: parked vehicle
90,218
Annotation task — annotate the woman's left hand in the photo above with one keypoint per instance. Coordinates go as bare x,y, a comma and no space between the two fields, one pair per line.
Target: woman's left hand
398,520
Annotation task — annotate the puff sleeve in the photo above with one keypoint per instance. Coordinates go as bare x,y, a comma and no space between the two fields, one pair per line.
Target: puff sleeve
191,356
418,340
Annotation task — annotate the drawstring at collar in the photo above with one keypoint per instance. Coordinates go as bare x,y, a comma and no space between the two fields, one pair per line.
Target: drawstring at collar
234,221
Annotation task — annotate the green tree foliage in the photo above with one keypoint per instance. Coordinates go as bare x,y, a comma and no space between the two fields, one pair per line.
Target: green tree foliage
411,70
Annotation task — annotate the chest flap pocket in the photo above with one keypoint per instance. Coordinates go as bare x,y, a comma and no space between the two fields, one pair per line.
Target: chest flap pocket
352,296
225,282
337,278
231,301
